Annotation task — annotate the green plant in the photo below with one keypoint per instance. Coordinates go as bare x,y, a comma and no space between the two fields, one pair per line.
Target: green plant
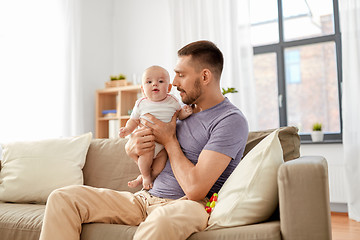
317,127
228,90
121,77
117,77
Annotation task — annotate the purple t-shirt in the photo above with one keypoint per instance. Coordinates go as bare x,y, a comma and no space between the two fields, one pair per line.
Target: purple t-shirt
221,128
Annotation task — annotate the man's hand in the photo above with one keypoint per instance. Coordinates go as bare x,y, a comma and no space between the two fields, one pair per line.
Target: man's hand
141,141
163,132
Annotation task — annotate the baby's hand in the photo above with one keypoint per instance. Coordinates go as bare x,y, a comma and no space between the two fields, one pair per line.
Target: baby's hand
188,109
185,112
123,132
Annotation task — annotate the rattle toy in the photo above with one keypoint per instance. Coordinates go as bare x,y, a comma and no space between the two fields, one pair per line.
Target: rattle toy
211,203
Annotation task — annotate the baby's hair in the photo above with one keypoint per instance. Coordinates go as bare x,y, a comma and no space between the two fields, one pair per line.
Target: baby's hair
157,67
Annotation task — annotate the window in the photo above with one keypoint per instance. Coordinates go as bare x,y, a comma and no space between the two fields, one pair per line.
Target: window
292,66
297,65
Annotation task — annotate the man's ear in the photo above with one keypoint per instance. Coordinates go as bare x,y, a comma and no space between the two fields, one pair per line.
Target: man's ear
169,88
206,76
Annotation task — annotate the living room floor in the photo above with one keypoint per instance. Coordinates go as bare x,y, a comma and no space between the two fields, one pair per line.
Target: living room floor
344,228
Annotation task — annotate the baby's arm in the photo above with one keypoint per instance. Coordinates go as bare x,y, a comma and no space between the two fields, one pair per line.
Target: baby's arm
185,111
130,126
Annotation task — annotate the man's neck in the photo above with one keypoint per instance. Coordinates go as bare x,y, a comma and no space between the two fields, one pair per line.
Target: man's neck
207,103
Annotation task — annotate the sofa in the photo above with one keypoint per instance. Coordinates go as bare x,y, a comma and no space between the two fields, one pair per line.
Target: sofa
302,212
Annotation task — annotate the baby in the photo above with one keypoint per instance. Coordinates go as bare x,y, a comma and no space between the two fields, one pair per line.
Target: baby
158,102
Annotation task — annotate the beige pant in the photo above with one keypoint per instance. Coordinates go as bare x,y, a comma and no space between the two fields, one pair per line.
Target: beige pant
67,208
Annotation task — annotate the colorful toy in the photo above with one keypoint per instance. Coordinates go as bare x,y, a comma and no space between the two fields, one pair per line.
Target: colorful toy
211,203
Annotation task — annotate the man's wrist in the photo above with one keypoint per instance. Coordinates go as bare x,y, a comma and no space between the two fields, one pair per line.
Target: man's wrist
171,144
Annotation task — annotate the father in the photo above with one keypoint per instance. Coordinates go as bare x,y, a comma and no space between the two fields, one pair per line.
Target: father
203,150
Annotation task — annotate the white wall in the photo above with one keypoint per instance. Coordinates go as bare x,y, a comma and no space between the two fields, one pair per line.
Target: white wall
96,52
142,36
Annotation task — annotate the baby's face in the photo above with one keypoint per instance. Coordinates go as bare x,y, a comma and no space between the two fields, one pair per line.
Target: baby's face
156,83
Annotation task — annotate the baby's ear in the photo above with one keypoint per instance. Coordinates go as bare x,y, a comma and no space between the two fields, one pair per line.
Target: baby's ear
142,90
169,88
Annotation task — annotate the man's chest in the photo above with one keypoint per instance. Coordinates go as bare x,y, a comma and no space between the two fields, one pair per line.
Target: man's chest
192,135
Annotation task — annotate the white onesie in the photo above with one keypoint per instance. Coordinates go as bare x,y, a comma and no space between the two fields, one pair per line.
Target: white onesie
162,110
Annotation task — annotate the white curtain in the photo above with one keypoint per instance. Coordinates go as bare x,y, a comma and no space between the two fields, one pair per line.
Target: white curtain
350,29
73,105
31,67
40,94
227,24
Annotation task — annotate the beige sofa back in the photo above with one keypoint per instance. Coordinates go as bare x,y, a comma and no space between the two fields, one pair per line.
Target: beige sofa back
108,166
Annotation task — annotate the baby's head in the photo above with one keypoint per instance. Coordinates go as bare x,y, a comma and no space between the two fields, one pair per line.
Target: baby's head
156,83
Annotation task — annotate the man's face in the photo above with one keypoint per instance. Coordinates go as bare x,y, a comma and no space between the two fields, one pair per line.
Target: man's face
187,80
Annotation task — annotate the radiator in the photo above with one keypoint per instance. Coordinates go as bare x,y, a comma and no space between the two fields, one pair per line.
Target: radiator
337,184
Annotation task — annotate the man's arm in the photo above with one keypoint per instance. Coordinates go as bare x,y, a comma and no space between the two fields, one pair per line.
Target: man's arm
195,180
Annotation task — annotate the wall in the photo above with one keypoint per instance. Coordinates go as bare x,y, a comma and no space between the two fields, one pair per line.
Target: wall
96,53
142,36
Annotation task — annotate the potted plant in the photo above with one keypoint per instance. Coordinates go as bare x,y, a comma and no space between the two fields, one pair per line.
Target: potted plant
317,135
117,77
117,81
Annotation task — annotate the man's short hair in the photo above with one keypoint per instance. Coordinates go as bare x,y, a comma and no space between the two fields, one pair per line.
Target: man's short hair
205,54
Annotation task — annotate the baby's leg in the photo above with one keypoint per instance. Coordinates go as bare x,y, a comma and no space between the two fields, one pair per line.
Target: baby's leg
158,164
144,162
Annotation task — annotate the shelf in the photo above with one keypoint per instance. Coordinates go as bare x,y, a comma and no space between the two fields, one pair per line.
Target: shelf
113,118
107,118
114,90
120,98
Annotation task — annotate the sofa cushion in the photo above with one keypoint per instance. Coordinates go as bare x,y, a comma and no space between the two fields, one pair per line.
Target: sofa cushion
21,221
96,231
289,139
261,231
108,166
32,170
250,194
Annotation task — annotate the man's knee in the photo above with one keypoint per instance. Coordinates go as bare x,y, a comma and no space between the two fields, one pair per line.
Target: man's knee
64,193
161,221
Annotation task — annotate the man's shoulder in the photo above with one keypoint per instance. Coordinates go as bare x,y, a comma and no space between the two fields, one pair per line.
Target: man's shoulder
230,119
229,111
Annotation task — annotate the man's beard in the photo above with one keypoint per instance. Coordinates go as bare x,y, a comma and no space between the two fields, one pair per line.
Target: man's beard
191,96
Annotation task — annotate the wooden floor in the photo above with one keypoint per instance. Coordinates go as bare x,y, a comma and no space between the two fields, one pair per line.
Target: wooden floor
344,228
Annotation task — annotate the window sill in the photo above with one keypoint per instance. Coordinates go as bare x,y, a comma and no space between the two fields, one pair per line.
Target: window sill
322,142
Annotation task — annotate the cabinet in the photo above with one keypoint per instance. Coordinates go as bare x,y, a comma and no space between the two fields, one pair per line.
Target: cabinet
121,99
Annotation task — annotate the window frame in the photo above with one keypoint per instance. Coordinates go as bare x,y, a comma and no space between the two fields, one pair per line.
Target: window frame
279,50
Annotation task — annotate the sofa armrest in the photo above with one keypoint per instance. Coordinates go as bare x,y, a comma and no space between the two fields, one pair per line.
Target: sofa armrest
304,199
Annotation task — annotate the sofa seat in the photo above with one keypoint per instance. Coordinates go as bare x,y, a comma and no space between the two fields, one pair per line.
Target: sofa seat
21,221
263,231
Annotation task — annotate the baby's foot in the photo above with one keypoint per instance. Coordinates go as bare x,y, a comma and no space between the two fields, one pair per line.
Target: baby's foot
136,182
147,183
